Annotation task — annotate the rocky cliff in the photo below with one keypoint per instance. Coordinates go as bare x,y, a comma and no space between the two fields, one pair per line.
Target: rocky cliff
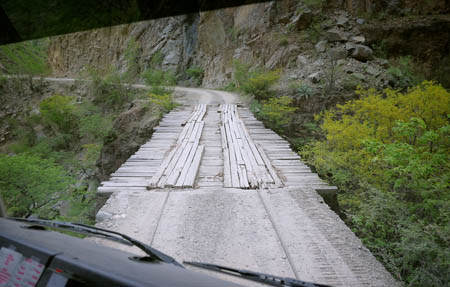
296,36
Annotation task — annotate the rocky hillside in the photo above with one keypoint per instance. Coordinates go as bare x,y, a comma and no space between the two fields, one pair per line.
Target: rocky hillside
295,36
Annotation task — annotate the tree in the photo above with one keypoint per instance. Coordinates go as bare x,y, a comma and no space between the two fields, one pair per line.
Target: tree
32,185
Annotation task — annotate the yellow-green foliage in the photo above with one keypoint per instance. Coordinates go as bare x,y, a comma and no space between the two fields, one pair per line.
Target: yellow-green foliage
277,112
59,113
165,101
390,154
259,84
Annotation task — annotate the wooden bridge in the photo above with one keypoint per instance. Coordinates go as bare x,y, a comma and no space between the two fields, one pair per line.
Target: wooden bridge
213,146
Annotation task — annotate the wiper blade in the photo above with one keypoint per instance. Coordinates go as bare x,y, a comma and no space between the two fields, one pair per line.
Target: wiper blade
256,276
102,233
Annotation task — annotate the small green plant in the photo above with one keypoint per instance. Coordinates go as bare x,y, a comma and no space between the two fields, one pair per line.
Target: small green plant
259,84
402,73
156,59
155,77
277,112
196,73
60,114
132,53
109,88
315,30
315,4
380,50
241,73
165,101
284,41
301,90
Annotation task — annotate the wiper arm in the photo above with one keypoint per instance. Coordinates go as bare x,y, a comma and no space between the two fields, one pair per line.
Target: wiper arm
102,233
256,276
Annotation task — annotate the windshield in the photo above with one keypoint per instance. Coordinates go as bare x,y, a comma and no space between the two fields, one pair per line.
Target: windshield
302,139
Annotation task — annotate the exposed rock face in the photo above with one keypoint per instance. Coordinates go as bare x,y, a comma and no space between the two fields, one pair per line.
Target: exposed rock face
175,38
253,34
427,39
131,130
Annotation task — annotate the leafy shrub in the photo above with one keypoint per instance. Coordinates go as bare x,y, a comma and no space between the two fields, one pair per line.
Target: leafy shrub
301,90
165,101
60,114
94,125
110,91
402,73
389,153
132,53
156,77
259,84
196,73
31,185
241,73
277,112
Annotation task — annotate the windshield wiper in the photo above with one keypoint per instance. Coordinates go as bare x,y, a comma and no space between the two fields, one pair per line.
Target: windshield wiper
256,276
102,233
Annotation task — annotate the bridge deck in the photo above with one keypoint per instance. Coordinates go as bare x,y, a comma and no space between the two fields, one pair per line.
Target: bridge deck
237,151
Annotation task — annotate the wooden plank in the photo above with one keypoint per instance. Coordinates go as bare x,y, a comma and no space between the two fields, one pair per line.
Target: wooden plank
269,167
244,182
157,177
250,163
175,173
223,137
233,167
253,148
190,177
227,169
187,165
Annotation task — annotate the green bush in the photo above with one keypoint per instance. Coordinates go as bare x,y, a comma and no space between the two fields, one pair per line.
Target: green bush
132,53
277,112
31,185
389,153
94,125
165,101
402,73
60,114
259,84
255,82
156,77
110,91
196,73
241,73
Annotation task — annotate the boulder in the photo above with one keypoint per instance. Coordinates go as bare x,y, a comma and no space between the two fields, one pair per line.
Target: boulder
321,46
358,39
315,77
341,20
301,60
362,53
334,35
359,76
350,47
338,53
373,71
